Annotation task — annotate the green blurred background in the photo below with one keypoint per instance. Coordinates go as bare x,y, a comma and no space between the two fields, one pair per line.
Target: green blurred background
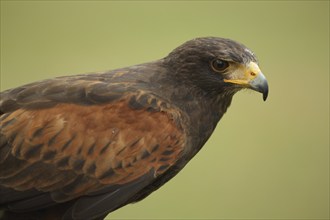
265,159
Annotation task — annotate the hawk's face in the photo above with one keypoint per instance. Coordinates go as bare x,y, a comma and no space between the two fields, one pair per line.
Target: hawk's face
218,65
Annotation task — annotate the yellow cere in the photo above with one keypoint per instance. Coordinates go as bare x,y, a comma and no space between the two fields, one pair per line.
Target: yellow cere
252,70
244,74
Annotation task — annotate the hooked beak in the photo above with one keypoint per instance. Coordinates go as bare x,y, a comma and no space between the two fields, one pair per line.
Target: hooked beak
260,84
250,76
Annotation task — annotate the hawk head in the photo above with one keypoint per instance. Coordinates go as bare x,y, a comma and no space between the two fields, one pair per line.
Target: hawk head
217,66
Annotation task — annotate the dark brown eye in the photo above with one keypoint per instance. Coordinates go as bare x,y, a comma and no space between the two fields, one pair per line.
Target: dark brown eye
219,65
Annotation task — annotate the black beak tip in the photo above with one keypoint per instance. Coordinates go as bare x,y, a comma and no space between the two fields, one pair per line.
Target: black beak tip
265,92
265,95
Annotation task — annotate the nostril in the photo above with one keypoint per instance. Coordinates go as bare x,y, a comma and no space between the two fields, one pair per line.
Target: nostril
253,74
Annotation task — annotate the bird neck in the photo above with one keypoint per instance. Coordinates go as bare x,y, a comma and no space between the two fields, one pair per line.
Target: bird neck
205,115
203,112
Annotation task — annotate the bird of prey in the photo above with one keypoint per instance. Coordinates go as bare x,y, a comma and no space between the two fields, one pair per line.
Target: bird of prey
79,147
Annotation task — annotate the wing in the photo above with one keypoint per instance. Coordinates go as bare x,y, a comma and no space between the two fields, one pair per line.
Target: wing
98,154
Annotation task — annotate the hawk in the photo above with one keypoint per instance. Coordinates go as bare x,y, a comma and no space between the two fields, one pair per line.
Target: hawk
79,147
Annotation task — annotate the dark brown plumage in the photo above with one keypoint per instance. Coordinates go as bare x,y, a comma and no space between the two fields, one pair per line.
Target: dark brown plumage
79,147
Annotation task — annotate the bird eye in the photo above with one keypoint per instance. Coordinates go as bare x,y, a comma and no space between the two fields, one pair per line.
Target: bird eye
219,65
